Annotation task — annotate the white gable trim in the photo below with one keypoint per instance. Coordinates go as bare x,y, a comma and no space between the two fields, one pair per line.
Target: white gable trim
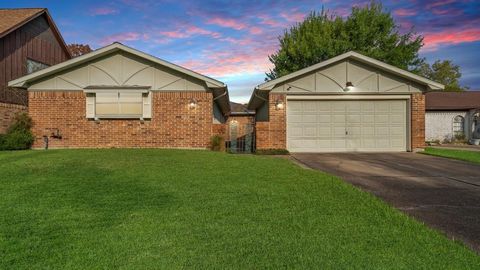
23,82
356,56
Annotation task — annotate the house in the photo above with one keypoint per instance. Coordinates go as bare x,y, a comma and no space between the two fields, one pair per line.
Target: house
452,116
347,103
29,41
117,96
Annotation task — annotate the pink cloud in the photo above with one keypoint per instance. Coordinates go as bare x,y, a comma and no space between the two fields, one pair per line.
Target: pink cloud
235,61
403,12
267,20
186,32
121,37
434,40
225,22
293,16
440,3
173,34
255,30
103,11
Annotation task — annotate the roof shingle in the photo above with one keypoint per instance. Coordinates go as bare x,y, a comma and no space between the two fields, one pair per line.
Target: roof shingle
452,100
12,18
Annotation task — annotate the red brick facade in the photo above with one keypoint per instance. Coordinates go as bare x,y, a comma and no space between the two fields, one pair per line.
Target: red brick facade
418,121
173,123
7,114
272,134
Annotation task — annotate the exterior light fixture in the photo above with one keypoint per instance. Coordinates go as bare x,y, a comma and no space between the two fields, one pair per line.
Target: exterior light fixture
348,87
279,105
192,103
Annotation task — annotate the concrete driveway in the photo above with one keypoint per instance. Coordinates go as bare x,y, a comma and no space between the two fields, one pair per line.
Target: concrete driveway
443,193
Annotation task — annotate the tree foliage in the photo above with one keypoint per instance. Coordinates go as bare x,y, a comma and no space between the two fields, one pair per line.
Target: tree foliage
78,49
369,30
444,72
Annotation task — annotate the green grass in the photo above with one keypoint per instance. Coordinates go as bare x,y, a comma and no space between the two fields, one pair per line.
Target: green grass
154,209
471,156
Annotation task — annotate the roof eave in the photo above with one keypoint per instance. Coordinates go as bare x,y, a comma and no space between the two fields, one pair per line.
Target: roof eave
23,82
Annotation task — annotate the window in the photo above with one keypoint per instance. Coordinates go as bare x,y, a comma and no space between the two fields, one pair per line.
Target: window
458,125
33,66
118,104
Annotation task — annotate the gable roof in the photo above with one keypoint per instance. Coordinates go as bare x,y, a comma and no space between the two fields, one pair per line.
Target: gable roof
12,19
218,88
23,82
449,101
361,58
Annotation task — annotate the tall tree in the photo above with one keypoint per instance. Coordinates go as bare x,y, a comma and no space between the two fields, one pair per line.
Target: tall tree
444,72
78,49
369,30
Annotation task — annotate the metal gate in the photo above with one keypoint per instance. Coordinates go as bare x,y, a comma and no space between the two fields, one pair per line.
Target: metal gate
241,137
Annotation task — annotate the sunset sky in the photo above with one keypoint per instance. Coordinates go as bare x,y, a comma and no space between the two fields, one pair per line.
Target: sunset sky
231,40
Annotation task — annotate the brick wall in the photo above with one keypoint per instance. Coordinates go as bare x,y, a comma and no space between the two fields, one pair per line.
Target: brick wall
241,121
173,124
272,133
7,114
418,120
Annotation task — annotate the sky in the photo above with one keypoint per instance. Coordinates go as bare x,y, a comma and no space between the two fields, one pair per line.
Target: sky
231,40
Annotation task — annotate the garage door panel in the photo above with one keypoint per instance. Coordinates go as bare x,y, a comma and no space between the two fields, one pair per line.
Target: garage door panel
309,118
321,126
324,118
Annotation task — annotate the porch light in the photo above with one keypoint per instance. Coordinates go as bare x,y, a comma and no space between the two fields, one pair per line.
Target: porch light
348,87
279,105
192,103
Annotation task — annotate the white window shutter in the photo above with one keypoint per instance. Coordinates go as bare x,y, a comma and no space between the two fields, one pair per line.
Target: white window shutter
90,107
147,105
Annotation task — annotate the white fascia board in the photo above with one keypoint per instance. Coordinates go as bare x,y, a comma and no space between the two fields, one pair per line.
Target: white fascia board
356,56
22,82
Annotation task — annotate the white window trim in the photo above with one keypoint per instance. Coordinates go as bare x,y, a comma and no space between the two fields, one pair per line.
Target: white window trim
91,104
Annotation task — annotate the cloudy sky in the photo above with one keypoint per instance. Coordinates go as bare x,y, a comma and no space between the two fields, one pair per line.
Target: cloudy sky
231,40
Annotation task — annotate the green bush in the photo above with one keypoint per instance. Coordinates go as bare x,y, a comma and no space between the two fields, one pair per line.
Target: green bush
272,152
217,143
18,136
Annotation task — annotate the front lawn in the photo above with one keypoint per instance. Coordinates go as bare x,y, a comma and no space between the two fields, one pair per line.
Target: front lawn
164,209
465,155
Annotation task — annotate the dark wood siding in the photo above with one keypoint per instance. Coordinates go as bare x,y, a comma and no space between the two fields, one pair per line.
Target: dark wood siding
35,40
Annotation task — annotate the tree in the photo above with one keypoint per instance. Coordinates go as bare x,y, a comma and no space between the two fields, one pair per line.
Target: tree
370,31
444,72
78,49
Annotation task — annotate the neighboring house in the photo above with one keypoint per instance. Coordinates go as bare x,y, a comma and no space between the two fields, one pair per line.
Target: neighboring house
348,103
117,96
452,115
29,41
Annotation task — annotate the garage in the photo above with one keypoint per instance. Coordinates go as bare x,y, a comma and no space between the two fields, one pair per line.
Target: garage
348,103
342,126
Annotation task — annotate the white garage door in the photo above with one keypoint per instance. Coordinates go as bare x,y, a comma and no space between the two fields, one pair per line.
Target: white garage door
340,126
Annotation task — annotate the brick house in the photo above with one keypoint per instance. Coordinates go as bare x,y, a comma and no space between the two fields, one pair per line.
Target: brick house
29,41
117,96
347,103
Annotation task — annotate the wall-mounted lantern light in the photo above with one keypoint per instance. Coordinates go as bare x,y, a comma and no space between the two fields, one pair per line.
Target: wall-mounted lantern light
279,104
348,87
192,103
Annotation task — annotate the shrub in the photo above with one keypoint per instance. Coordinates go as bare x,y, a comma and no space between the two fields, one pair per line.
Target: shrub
217,143
272,152
460,137
18,135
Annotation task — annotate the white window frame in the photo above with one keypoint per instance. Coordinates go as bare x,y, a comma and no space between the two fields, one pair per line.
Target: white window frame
35,65
91,104
458,125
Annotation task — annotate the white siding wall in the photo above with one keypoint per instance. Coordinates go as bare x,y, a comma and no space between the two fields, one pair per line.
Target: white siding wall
439,124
